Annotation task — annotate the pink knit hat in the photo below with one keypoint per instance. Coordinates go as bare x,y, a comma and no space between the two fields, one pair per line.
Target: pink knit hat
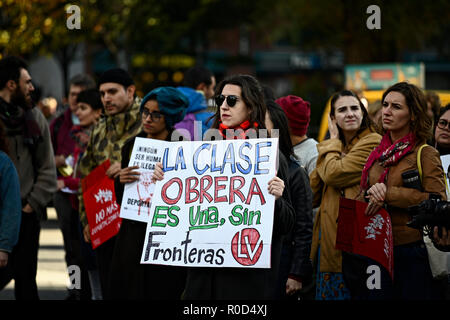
298,113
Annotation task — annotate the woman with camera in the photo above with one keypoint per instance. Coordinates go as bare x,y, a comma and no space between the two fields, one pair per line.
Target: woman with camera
391,179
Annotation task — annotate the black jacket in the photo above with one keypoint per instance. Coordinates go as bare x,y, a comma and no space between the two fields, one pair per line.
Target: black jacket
246,283
299,239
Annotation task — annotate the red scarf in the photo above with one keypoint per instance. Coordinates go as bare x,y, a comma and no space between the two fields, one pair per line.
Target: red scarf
239,131
388,154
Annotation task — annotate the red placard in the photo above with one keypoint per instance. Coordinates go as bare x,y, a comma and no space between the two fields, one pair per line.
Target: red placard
102,211
370,236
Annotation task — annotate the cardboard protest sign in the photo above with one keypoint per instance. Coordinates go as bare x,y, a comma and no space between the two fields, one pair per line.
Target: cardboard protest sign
370,236
213,208
102,210
137,196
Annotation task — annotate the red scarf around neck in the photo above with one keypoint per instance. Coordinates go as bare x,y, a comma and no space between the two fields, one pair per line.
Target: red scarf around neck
388,154
243,128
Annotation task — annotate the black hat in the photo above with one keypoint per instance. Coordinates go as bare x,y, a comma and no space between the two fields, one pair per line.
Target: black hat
116,75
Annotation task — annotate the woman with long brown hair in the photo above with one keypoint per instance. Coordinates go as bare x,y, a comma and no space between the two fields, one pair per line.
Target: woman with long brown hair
387,181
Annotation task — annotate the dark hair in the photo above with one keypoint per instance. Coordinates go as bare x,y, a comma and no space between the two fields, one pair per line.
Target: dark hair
366,121
10,69
116,75
280,122
252,96
197,75
435,101
91,97
82,80
268,92
422,125
444,110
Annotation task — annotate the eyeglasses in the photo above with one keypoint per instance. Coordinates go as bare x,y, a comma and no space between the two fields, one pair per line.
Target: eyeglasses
155,116
443,124
231,100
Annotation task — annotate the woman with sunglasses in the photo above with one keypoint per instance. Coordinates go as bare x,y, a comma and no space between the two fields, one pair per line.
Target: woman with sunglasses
337,174
388,180
240,113
161,109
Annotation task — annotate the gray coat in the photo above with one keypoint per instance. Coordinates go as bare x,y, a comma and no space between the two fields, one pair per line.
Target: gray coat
37,177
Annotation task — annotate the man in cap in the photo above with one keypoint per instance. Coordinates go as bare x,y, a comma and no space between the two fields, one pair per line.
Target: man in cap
122,121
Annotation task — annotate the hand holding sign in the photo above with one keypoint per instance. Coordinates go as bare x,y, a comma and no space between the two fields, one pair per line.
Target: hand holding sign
158,174
276,187
128,174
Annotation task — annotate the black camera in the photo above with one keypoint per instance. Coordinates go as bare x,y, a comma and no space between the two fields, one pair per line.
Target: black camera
430,213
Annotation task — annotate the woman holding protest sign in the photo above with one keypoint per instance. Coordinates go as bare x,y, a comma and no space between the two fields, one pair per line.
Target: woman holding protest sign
161,108
391,179
295,267
337,174
240,113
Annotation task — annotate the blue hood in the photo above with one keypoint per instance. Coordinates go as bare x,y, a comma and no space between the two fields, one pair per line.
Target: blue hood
196,99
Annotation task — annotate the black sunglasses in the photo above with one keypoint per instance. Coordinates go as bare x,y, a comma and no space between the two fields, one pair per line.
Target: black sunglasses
154,116
231,100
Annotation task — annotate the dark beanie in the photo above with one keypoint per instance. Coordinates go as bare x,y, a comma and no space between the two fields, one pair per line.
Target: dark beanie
298,113
116,75
171,102
91,97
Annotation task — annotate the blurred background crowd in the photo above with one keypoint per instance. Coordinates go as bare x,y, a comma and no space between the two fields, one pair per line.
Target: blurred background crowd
306,48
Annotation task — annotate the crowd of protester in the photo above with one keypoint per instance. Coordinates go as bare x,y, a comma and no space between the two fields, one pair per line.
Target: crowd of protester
365,157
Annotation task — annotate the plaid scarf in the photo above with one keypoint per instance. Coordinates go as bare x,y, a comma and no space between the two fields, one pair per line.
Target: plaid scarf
387,154
239,132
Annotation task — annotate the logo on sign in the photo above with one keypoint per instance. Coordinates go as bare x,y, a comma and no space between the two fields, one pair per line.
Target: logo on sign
103,196
246,246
